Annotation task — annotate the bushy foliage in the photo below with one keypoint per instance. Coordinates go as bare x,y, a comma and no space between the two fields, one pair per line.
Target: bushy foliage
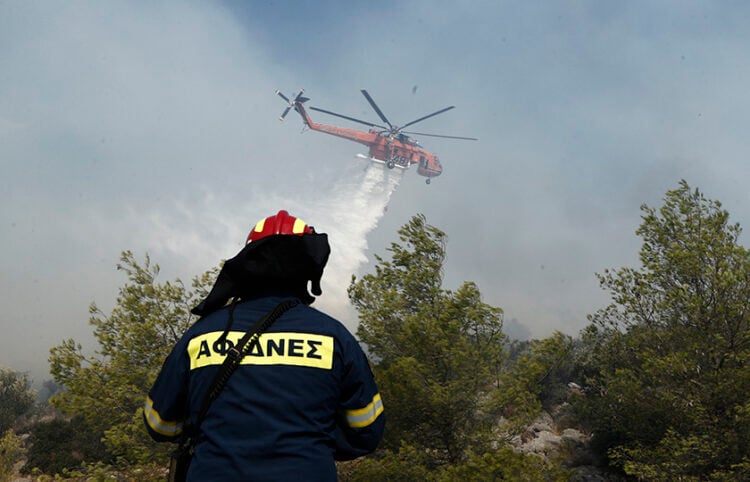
406,464
107,389
504,464
11,451
668,387
535,379
16,397
56,445
411,463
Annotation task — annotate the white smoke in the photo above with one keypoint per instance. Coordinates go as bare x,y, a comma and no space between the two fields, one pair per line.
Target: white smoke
347,212
192,236
355,207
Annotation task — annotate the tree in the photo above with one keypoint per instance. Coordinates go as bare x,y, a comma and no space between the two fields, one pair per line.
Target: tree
16,397
437,350
668,393
107,389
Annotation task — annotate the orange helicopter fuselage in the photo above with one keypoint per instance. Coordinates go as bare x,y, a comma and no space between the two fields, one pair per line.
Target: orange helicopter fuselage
396,150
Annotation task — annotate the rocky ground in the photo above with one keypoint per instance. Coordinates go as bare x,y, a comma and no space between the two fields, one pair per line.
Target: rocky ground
549,439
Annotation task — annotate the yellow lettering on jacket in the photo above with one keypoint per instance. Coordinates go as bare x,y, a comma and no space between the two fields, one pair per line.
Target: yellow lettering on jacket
298,349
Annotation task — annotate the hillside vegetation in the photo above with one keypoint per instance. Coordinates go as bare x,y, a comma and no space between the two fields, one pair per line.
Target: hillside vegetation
657,387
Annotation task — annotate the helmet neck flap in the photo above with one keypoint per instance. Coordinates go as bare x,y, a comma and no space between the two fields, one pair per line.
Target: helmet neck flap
274,264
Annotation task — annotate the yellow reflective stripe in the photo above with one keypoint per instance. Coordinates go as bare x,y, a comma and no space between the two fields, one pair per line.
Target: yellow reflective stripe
285,348
299,226
157,424
362,417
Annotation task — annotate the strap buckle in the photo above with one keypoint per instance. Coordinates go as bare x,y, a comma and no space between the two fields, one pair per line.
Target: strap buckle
234,353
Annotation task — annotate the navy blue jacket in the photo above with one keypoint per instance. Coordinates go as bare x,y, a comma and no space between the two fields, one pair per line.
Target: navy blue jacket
303,397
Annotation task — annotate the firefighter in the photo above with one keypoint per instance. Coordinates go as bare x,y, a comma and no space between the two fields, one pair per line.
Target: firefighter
302,396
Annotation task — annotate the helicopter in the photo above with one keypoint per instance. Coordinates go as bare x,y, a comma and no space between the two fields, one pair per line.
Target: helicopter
387,145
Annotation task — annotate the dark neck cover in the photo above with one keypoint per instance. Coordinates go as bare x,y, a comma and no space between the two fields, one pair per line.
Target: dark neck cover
275,265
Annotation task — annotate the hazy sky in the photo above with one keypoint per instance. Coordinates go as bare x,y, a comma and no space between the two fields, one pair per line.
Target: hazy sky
152,126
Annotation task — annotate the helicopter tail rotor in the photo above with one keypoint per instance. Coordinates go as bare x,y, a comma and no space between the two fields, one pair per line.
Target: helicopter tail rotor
293,103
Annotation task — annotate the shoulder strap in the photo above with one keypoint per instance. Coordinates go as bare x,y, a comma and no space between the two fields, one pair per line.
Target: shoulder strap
236,353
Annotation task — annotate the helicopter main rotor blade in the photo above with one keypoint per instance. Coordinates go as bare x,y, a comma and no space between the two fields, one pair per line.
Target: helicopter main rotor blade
299,98
439,135
347,117
278,92
377,109
428,116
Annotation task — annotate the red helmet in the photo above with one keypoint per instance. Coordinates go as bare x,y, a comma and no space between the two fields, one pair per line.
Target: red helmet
280,223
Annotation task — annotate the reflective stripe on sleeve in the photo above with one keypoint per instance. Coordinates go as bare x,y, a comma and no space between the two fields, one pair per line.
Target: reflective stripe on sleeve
162,427
362,417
